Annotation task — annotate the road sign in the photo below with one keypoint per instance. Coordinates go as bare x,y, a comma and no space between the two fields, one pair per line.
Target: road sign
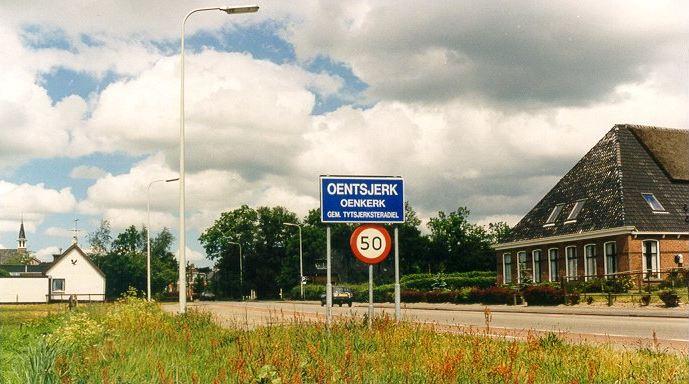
370,243
362,199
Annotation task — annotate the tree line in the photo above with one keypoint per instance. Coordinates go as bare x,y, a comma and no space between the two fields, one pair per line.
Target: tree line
271,251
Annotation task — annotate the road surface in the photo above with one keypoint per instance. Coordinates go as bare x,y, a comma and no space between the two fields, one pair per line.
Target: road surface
654,332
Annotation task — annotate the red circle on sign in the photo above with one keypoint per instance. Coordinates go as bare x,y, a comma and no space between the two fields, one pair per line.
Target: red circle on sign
353,243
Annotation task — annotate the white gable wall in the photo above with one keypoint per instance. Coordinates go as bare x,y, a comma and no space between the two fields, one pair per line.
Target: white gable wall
81,278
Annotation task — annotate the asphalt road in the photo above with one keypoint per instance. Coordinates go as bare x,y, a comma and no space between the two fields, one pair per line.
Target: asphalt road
670,333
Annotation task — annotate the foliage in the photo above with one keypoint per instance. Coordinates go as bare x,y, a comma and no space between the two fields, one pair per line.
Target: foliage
669,297
441,296
4,273
492,295
542,295
573,298
142,344
123,260
677,278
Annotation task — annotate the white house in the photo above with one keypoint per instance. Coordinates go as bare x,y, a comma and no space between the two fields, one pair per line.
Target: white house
70,273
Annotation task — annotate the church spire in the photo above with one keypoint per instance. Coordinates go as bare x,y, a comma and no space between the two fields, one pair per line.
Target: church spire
22,237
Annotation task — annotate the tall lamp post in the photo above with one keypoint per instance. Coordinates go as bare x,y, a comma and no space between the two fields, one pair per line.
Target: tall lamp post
182,240
148,234
301,261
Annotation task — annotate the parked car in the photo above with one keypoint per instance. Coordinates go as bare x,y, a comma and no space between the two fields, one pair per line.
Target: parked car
207,296
341,295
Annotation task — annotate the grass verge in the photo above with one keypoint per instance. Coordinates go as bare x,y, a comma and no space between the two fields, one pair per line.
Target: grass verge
135,342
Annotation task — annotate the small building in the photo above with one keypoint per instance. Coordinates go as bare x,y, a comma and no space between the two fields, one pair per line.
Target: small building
622,208
71,273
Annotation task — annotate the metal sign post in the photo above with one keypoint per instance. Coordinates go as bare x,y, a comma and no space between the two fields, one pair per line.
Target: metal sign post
398,310
328,283
370,295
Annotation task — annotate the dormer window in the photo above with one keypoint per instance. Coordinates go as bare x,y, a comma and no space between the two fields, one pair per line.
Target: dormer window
572,217
554,214
653,202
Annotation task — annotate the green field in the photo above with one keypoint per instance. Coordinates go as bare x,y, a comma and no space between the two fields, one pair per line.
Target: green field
136,342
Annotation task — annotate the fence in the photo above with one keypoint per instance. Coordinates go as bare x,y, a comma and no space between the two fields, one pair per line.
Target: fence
641,281
88,297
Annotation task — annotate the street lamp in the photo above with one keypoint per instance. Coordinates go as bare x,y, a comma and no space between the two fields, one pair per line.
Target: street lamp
148,234
182,240
301,262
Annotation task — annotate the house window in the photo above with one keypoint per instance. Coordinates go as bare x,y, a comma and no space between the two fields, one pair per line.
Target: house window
610,257
58,285
650,254
521,266
507,268
554,214
552,266
536,265
571,255
575,210
590,254
653,202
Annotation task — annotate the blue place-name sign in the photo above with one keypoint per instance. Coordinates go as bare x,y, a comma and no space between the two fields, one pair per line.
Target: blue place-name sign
362,199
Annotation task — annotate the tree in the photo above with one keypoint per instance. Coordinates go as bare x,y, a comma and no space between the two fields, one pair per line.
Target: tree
123,260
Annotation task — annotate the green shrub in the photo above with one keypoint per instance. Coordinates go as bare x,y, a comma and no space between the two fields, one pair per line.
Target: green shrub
618,284
573,298
311,292
4,273
669,297
492,295
542,295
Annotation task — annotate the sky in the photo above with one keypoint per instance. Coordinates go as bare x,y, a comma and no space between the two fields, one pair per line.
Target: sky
483,104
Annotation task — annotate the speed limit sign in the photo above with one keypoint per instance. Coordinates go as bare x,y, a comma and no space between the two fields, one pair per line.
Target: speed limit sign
370,243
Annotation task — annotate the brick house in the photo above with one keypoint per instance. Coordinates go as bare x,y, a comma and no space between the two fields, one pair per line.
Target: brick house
621,208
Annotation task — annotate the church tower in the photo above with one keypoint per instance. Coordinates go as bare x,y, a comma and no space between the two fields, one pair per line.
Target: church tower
21,248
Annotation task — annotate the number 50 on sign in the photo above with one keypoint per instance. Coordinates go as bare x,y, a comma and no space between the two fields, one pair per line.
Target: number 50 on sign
370,243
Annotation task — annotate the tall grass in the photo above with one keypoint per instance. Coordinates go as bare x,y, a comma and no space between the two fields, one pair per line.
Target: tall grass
135,342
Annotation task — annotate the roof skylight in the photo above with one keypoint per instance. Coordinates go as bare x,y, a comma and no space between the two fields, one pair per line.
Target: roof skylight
554,214
576,209
653,202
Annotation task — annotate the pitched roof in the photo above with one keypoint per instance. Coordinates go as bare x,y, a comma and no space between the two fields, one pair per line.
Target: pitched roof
628,161
67,251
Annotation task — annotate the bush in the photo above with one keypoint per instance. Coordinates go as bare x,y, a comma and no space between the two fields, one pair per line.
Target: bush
4,273
675,279
618,284
441,296
311,292
573,298
669,297
542,295
492,295
412,296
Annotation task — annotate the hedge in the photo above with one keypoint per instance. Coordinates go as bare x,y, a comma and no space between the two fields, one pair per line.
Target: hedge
542,295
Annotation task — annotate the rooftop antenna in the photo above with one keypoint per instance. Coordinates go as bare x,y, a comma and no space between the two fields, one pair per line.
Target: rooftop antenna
75,238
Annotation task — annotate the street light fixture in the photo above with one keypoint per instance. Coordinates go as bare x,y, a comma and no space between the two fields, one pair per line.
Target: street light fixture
182,239
148,234
301,262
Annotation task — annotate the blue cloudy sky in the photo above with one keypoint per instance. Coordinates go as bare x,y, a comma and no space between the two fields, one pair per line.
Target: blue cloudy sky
479,104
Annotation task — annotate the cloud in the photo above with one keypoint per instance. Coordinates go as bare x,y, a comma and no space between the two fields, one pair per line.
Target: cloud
87,172
33,202
192,256
514,53
58,232
46,254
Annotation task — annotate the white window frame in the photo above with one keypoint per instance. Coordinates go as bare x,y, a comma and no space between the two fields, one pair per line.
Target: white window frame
52,285
519,265
656,268
504,275
576,262
587,272
606,267
550,265
533,265
662,210
578,204
552,218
